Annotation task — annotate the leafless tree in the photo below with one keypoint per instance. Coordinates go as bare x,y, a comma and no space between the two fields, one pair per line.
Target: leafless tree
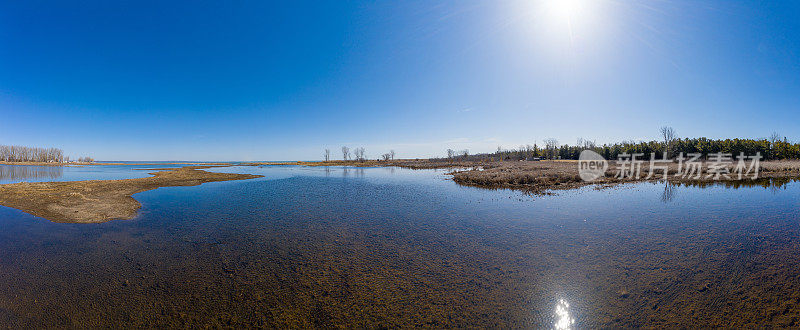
327,155
585,144
29,154
386,156
359,154
528,152
451,153
391,154
345,153
668,134
551,144
774,139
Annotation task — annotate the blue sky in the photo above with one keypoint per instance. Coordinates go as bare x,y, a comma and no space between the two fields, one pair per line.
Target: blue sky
257,80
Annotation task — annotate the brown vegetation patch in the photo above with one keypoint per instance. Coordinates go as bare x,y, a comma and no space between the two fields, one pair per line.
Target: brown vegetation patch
544,176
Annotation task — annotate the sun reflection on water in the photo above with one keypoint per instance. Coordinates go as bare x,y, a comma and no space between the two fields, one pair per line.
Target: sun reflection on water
563,319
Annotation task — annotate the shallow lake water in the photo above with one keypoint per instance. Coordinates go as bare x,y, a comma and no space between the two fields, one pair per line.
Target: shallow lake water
389,247
29,173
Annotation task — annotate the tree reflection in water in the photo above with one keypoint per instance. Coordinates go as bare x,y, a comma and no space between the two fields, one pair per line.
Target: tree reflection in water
16,172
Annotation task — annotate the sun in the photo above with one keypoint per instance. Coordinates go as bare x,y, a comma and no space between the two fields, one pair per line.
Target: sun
565,10
565,19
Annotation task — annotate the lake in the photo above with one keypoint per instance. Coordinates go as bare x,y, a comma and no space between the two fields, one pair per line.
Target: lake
391,247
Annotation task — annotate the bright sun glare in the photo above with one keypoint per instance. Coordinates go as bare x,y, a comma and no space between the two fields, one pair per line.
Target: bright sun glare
564,10
565,20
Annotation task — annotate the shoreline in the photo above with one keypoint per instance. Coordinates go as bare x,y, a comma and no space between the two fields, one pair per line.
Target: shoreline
111,163
546,176
97,201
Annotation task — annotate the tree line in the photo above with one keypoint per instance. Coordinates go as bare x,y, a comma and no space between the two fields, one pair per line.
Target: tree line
358,154
771,148
18,154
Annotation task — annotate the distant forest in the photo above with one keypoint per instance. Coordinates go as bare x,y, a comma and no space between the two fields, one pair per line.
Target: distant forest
775,147
33,154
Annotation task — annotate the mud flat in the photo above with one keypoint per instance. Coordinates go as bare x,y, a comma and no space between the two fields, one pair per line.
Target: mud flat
546,176
98,201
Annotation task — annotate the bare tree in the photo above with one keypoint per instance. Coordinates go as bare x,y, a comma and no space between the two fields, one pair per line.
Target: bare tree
451,153
668,134
386,156
359,154
345,153
551,144
391,154
585,144
774,139
30,154
327,154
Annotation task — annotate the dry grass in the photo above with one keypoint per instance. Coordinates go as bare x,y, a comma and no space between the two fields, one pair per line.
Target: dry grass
539,177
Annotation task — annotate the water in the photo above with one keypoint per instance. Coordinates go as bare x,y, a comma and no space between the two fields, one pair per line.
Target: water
28,173
374,247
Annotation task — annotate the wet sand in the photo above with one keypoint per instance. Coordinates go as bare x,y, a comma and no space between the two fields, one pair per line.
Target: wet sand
98,201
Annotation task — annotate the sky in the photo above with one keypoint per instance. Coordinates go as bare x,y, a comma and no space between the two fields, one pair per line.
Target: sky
262,80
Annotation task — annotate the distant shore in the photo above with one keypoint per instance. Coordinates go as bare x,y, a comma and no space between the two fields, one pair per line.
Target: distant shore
98,201
547,176
45,163
541,177
107,163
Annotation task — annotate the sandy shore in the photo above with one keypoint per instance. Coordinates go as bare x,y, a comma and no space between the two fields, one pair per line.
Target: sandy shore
100,200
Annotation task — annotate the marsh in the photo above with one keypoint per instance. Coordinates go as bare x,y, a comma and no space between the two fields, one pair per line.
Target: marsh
392,247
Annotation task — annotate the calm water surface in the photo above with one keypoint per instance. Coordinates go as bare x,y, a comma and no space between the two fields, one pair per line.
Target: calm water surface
390,247
28,173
